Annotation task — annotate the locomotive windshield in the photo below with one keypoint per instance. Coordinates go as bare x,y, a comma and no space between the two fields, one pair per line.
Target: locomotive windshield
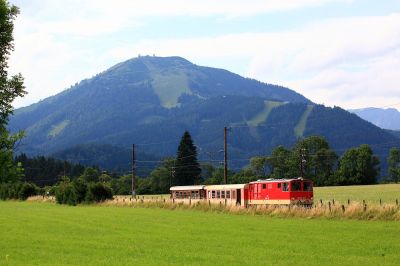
307,186
296,186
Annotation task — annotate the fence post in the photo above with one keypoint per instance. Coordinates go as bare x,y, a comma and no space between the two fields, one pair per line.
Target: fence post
348,201
320,202
329,205
397,202
209,203
380,202
365,207
173,201
343,209
333,201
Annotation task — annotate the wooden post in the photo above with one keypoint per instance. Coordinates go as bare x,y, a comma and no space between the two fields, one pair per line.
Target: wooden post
320,202
333,201
209,202
348,201
380,202
397,202
343,209
365,207
225,156
329,205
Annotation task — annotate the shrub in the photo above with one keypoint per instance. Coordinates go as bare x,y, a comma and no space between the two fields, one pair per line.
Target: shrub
26,190
81,189
17,190
98,192
65,194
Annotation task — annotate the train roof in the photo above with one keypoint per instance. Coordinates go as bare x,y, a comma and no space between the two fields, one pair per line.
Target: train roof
227,186
181,188
279,180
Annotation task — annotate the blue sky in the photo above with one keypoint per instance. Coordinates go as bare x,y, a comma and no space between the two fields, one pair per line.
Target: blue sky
335,52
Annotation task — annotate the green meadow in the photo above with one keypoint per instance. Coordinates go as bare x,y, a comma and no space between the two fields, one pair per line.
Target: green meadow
34,233
388,193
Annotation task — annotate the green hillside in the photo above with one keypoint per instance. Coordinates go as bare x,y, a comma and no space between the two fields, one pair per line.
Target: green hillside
153,100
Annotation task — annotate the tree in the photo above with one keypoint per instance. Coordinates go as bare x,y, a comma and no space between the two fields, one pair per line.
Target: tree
358,166
319,159
91,174
394,164
10,88
187,168
161,177
280,162
261,165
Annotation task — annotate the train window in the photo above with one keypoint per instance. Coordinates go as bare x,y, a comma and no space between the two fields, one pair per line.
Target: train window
234,194
285,186
218,194
228,194
307,186
213,194
222,194
279,185
296,186
264,186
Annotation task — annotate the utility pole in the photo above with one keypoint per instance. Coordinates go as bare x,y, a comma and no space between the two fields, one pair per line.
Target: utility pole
225,156
302,161
133,171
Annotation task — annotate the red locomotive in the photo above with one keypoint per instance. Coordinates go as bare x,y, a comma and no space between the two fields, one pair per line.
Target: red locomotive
297,191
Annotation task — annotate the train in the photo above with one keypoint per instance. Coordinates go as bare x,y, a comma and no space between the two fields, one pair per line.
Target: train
294,191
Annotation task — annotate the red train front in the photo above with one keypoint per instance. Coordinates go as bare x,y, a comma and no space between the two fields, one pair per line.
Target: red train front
280,191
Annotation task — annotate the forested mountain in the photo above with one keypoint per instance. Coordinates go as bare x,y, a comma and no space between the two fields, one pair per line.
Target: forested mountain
384,118
151,101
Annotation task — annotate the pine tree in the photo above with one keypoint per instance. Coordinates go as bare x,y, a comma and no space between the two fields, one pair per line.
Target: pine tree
187,168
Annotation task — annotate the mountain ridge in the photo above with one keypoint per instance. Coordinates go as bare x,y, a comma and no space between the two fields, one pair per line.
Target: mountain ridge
155,99
388,118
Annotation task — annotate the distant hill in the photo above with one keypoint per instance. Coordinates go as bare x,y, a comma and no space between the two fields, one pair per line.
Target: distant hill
151,101
383,118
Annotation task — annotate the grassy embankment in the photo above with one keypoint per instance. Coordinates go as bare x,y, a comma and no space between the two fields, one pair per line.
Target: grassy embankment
49,234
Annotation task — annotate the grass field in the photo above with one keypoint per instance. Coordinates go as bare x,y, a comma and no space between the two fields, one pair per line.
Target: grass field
48,234
371,194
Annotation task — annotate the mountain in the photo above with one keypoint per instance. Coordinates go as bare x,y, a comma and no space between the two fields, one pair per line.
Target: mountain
383,118
394,132
151,101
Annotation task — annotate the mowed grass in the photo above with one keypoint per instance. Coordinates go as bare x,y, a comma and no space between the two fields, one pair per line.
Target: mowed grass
388,193
49,234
